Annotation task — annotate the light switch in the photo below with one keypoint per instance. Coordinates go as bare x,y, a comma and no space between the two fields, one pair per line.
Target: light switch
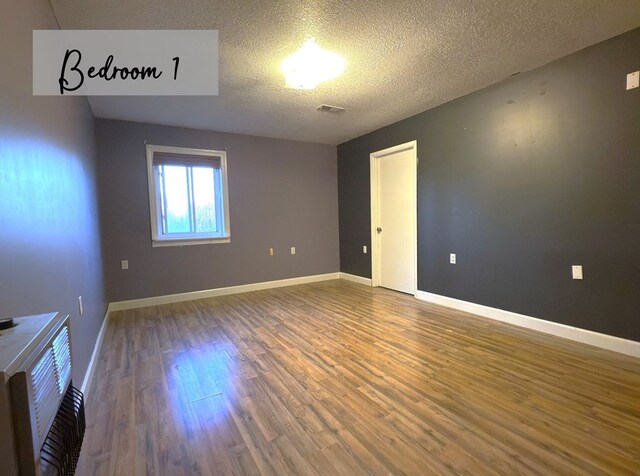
633,80
364,249
124,264
576,271
293,250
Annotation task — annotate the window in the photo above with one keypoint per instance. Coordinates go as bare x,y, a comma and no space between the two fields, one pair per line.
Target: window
187,196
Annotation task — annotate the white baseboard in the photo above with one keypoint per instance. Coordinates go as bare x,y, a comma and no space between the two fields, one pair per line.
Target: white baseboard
604,341
355,279
207,293
95,355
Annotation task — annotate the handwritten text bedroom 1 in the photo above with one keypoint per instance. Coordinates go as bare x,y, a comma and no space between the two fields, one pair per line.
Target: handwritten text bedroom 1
72,70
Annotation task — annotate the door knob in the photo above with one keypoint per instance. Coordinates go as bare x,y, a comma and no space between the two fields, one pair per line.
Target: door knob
379,229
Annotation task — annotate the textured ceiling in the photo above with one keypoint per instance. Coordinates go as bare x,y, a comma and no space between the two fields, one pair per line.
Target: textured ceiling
403,57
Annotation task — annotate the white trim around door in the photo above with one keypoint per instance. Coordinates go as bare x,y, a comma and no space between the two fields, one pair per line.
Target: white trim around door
375,240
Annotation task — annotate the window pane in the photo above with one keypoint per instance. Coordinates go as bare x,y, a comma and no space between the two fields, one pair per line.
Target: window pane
204,199
176,193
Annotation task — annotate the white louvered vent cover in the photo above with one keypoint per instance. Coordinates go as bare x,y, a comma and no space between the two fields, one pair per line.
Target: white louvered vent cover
62,354
46,395
49,380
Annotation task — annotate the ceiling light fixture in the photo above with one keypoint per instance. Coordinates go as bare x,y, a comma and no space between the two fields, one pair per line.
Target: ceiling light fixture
311,65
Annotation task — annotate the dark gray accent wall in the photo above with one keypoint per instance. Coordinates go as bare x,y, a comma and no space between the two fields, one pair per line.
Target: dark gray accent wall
49,227
281,194
522,180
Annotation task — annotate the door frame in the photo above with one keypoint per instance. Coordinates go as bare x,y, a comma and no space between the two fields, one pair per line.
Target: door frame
375,240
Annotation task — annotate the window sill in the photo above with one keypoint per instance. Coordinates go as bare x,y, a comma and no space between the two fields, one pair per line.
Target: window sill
189,241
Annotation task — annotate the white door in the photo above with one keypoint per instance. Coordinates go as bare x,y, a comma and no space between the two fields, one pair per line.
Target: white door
396,216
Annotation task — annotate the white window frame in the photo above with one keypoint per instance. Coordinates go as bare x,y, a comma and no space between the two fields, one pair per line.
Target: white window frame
155,198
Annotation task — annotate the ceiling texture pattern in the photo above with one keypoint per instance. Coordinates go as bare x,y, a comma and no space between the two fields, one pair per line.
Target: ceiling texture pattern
403,57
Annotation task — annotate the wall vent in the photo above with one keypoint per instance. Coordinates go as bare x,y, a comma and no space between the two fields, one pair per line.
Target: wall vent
327,108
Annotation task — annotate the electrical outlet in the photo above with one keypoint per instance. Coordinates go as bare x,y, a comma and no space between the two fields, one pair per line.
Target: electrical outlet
452,258
124,264
293,250
271,253
80,308
364,249
576,271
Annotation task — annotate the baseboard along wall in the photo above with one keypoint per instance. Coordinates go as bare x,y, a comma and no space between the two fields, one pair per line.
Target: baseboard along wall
95,355
355,279
604,341
207,293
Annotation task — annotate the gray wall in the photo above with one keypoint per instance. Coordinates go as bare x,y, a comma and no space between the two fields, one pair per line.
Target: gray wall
281,194
49,230
522,180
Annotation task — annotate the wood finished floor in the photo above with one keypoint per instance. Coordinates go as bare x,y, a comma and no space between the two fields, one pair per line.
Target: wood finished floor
338,378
